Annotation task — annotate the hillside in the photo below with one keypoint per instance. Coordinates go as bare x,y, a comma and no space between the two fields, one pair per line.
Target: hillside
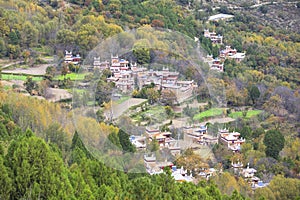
83,82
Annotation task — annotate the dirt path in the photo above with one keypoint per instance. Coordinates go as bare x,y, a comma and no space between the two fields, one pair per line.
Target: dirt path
10,64
119,109
40,70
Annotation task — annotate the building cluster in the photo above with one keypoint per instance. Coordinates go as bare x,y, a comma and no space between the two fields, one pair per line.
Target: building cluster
199,134
231,139
227,53
215,63
179,174
248,174
197,131
230,53
163,139
126,76
155,167
138,141
70,58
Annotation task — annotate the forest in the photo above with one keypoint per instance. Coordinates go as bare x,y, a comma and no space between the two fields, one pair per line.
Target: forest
43,155
50,164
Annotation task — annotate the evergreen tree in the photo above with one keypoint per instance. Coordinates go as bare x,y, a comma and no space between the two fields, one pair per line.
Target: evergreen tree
13,38
254,93
274,142
5,181
78,150
37,172
127,146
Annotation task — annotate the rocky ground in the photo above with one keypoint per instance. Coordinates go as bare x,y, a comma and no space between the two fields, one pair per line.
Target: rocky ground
278,15
56,94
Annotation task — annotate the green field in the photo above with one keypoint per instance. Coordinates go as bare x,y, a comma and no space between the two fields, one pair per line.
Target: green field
250,113
20,77
6,87
156,114
72,76
47,57
209,113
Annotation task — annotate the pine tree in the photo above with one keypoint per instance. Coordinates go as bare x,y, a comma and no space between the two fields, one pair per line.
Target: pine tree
127,146
78,150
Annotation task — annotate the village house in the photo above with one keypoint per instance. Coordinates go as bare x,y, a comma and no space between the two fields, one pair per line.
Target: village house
69,58
196,131
122,73
231,139
215,39
159,78
138,141
237,165
199,135
100,65
214,63
164,139
230,53
118,65
207,173
167,80
217,65
248,174
227,53
181,175
155,167
123,80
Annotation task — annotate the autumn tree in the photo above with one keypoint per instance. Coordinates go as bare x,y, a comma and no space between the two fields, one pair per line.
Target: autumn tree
226,183
66,38
274,105
30,85
30,34
65,69
285,188
152,95
141,50
50,72
56,135
103,92
168,97
191,161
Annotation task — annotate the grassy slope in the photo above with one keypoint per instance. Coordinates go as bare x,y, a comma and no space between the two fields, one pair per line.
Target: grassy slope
209,113
250,114
20,77
72,76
